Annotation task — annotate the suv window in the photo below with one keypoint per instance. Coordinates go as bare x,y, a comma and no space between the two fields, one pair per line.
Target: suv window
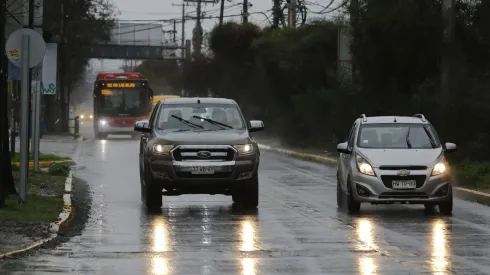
352,134
397,136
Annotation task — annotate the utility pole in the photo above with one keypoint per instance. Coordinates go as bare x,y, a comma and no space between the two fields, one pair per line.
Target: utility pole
182,52
245,11
175,32
292,13
198,29
221,12
276,12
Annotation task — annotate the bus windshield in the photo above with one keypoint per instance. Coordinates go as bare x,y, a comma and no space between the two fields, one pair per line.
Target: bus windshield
115,101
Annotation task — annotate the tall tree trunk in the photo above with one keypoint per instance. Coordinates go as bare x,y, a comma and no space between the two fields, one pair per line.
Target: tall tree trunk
6,180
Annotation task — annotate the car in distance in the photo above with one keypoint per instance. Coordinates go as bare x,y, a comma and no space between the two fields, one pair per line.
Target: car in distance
389,159
198,146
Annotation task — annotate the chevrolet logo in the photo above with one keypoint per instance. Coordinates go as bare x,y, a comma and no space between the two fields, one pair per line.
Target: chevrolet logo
403,173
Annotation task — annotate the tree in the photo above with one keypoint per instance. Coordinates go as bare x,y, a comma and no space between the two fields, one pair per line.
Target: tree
74,25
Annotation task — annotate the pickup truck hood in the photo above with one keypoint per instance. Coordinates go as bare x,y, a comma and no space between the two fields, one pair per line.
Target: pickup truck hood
221,137
401,157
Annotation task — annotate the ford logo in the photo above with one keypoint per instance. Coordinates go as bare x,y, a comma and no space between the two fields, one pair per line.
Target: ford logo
403,173
204,154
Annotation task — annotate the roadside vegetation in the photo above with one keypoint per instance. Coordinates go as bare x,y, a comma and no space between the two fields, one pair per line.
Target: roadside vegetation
290,78
42,157
45,196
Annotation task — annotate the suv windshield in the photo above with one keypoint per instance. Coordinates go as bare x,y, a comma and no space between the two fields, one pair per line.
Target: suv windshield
199,116
397,136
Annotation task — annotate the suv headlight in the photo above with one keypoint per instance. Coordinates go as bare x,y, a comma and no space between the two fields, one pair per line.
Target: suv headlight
162,149
245,149
439,168
363,166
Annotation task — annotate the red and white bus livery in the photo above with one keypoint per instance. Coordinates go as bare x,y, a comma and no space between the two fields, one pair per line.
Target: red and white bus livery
120,99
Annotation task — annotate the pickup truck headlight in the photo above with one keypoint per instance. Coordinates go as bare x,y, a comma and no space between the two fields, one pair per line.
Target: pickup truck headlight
245,149
162,149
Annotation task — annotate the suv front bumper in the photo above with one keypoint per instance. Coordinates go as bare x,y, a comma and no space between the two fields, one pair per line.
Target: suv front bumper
372,189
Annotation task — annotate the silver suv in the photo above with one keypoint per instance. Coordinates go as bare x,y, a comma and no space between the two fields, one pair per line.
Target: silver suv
389,159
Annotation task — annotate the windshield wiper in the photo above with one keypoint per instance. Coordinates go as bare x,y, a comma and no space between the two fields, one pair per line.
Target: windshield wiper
214,122
182,130
187,122
408,139
431,139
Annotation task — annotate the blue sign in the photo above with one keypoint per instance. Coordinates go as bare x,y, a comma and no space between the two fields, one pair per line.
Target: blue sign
51,90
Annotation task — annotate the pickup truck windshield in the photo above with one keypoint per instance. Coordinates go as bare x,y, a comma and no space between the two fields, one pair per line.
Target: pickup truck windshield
200,117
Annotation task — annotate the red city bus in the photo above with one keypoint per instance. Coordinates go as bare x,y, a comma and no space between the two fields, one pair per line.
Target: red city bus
120,99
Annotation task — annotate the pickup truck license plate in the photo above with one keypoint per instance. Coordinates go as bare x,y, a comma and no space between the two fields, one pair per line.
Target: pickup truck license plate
404,184
202,170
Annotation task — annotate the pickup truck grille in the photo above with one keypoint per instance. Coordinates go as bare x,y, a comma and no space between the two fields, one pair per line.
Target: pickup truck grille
203,153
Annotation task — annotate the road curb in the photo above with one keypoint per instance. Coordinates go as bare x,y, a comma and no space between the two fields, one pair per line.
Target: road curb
64,217
46,164
333,161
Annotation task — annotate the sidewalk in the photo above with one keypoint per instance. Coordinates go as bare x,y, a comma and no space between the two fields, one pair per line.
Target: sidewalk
18,236
54,144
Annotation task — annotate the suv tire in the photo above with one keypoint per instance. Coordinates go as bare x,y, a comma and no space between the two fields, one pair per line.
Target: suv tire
353,207
248,194
446,208
339,194
150,192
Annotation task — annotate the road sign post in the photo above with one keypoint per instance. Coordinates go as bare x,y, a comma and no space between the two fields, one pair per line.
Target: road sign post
25,48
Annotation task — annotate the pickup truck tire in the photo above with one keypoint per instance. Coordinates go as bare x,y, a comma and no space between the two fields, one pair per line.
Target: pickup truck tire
150,192
248,194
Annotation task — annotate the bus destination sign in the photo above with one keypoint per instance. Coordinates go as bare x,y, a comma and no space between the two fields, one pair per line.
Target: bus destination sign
123,85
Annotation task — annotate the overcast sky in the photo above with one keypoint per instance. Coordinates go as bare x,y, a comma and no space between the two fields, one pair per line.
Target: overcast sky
151,11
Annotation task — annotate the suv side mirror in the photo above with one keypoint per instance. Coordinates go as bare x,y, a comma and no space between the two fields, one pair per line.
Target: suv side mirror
256,126
450,147
343,148
142,126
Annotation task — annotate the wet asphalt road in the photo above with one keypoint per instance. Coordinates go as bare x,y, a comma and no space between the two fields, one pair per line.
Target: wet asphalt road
296,230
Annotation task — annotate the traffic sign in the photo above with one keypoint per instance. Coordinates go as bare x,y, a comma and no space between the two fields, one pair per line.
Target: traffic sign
37,47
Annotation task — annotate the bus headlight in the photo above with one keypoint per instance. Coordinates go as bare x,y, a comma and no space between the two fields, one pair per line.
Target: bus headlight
91,116
82,116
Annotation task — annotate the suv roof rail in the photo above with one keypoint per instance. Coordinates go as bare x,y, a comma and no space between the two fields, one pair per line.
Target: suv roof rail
421,116
363,116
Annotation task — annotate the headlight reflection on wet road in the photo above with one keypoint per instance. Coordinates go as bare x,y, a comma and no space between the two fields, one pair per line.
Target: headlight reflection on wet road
440,246
248,232
161,243
103,149
365,233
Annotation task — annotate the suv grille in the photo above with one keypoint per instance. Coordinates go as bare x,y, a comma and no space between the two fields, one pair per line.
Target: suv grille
414,167
419,179
204,153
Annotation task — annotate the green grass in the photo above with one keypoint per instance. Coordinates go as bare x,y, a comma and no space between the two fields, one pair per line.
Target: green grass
473,174
44,202
42,157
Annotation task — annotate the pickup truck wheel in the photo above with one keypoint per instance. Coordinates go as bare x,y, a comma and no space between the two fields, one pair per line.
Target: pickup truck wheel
101,136
248,195
151,193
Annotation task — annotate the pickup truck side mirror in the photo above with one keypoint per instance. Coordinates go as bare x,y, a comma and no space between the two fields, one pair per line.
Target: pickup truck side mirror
142,126
256,126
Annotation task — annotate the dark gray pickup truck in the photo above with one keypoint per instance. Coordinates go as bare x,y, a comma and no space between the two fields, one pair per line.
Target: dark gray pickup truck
198,146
